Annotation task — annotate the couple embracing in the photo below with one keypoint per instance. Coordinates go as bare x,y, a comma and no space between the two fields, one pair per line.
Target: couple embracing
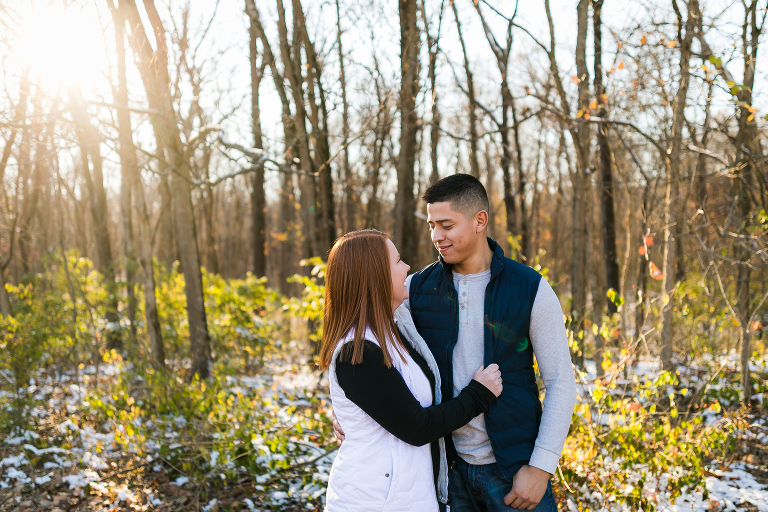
431,375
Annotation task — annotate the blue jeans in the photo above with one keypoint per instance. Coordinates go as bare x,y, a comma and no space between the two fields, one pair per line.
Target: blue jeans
482,489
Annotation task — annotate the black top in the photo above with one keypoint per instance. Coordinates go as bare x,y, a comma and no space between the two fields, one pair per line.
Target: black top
383,394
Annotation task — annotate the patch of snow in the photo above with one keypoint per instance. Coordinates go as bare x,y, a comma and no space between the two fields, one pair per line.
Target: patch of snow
180,481
210,505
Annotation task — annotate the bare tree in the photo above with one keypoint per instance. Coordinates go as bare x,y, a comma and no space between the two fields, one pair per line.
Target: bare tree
134,196
89,141
607,207
405,202
474,164
153,67
685,32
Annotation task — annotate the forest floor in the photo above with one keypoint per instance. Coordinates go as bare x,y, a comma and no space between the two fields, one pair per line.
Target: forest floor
70,460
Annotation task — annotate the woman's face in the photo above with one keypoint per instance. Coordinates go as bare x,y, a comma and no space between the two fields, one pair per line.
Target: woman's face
399,271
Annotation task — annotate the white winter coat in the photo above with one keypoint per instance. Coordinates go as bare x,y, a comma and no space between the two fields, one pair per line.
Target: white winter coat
374,470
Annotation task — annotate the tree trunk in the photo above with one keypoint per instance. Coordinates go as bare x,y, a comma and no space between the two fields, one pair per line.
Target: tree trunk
350,198
90,152
258,196
607,208
287,198
405,202
153,67
581,184
474,164
746,138
671,195
132,193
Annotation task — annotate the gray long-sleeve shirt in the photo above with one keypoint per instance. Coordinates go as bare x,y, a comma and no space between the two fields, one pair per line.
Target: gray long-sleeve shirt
550,345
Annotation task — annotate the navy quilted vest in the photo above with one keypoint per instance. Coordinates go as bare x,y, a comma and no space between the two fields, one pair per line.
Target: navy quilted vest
513,419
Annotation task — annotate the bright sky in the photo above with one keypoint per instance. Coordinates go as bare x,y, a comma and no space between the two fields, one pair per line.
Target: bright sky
67,46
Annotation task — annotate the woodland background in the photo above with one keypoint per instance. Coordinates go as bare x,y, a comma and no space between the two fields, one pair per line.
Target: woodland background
173,174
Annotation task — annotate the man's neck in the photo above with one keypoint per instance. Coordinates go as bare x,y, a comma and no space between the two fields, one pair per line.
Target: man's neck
479,261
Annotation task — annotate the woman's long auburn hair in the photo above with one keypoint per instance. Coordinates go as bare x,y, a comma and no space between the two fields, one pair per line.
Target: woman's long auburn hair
358,294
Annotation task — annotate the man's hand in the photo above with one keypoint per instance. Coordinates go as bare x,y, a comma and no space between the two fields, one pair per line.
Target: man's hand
337,428
528,487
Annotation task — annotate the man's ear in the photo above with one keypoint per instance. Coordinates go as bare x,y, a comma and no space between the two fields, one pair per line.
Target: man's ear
481,221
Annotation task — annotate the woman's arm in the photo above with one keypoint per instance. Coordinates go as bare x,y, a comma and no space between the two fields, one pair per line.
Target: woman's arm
382,393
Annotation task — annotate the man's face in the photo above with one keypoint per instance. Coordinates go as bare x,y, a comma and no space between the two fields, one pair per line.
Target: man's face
455,237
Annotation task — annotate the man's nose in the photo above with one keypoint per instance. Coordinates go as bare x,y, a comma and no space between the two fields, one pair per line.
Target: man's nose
437,235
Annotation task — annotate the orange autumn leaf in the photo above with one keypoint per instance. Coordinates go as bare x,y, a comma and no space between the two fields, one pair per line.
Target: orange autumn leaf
575,79
621,65
655,272
586,115
671,44
593,104
643,40
649,240
641,251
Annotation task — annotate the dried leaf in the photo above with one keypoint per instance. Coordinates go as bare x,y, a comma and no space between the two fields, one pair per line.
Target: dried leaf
671,44
593,104
643,40
580,113
621,65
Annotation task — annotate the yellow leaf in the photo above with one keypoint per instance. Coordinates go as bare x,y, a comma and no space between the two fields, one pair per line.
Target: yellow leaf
621,65
750,108
580,113
643,40
751,117
593,104
671,44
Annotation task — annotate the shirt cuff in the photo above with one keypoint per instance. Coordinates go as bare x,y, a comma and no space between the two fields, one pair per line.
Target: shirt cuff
544,460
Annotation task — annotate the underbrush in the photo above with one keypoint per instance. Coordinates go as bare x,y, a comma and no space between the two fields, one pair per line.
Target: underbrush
103,429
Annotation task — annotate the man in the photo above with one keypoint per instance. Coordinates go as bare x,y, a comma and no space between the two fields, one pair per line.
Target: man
475,307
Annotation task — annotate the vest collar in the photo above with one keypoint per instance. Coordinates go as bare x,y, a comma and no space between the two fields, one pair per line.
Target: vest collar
497,262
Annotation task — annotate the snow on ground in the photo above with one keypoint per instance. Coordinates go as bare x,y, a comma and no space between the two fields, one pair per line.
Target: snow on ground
80,464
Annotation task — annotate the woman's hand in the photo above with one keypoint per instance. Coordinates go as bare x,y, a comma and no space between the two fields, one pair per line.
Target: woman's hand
490,377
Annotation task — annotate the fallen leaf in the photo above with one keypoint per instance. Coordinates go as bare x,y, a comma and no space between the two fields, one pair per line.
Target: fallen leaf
643,40
671,44
621,65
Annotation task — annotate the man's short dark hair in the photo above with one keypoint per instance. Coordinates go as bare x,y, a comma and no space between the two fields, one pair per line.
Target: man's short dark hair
465,193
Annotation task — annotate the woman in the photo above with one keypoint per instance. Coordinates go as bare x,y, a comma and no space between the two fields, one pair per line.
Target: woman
384,382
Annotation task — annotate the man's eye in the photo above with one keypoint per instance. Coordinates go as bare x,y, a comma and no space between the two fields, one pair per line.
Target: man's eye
448,227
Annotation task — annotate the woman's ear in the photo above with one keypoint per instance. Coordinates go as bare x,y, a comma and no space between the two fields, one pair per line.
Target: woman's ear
481,221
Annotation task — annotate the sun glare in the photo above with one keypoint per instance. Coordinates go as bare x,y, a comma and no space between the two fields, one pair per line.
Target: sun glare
58,44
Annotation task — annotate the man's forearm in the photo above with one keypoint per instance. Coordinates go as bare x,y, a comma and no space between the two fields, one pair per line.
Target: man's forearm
550,344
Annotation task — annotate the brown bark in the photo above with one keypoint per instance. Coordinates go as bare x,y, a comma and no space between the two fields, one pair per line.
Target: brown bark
607,207
287,199
746,138
474,165
258,196
580,176
433,48
507,106
131,176
153,67
672,228
405,202
348,180
89,141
